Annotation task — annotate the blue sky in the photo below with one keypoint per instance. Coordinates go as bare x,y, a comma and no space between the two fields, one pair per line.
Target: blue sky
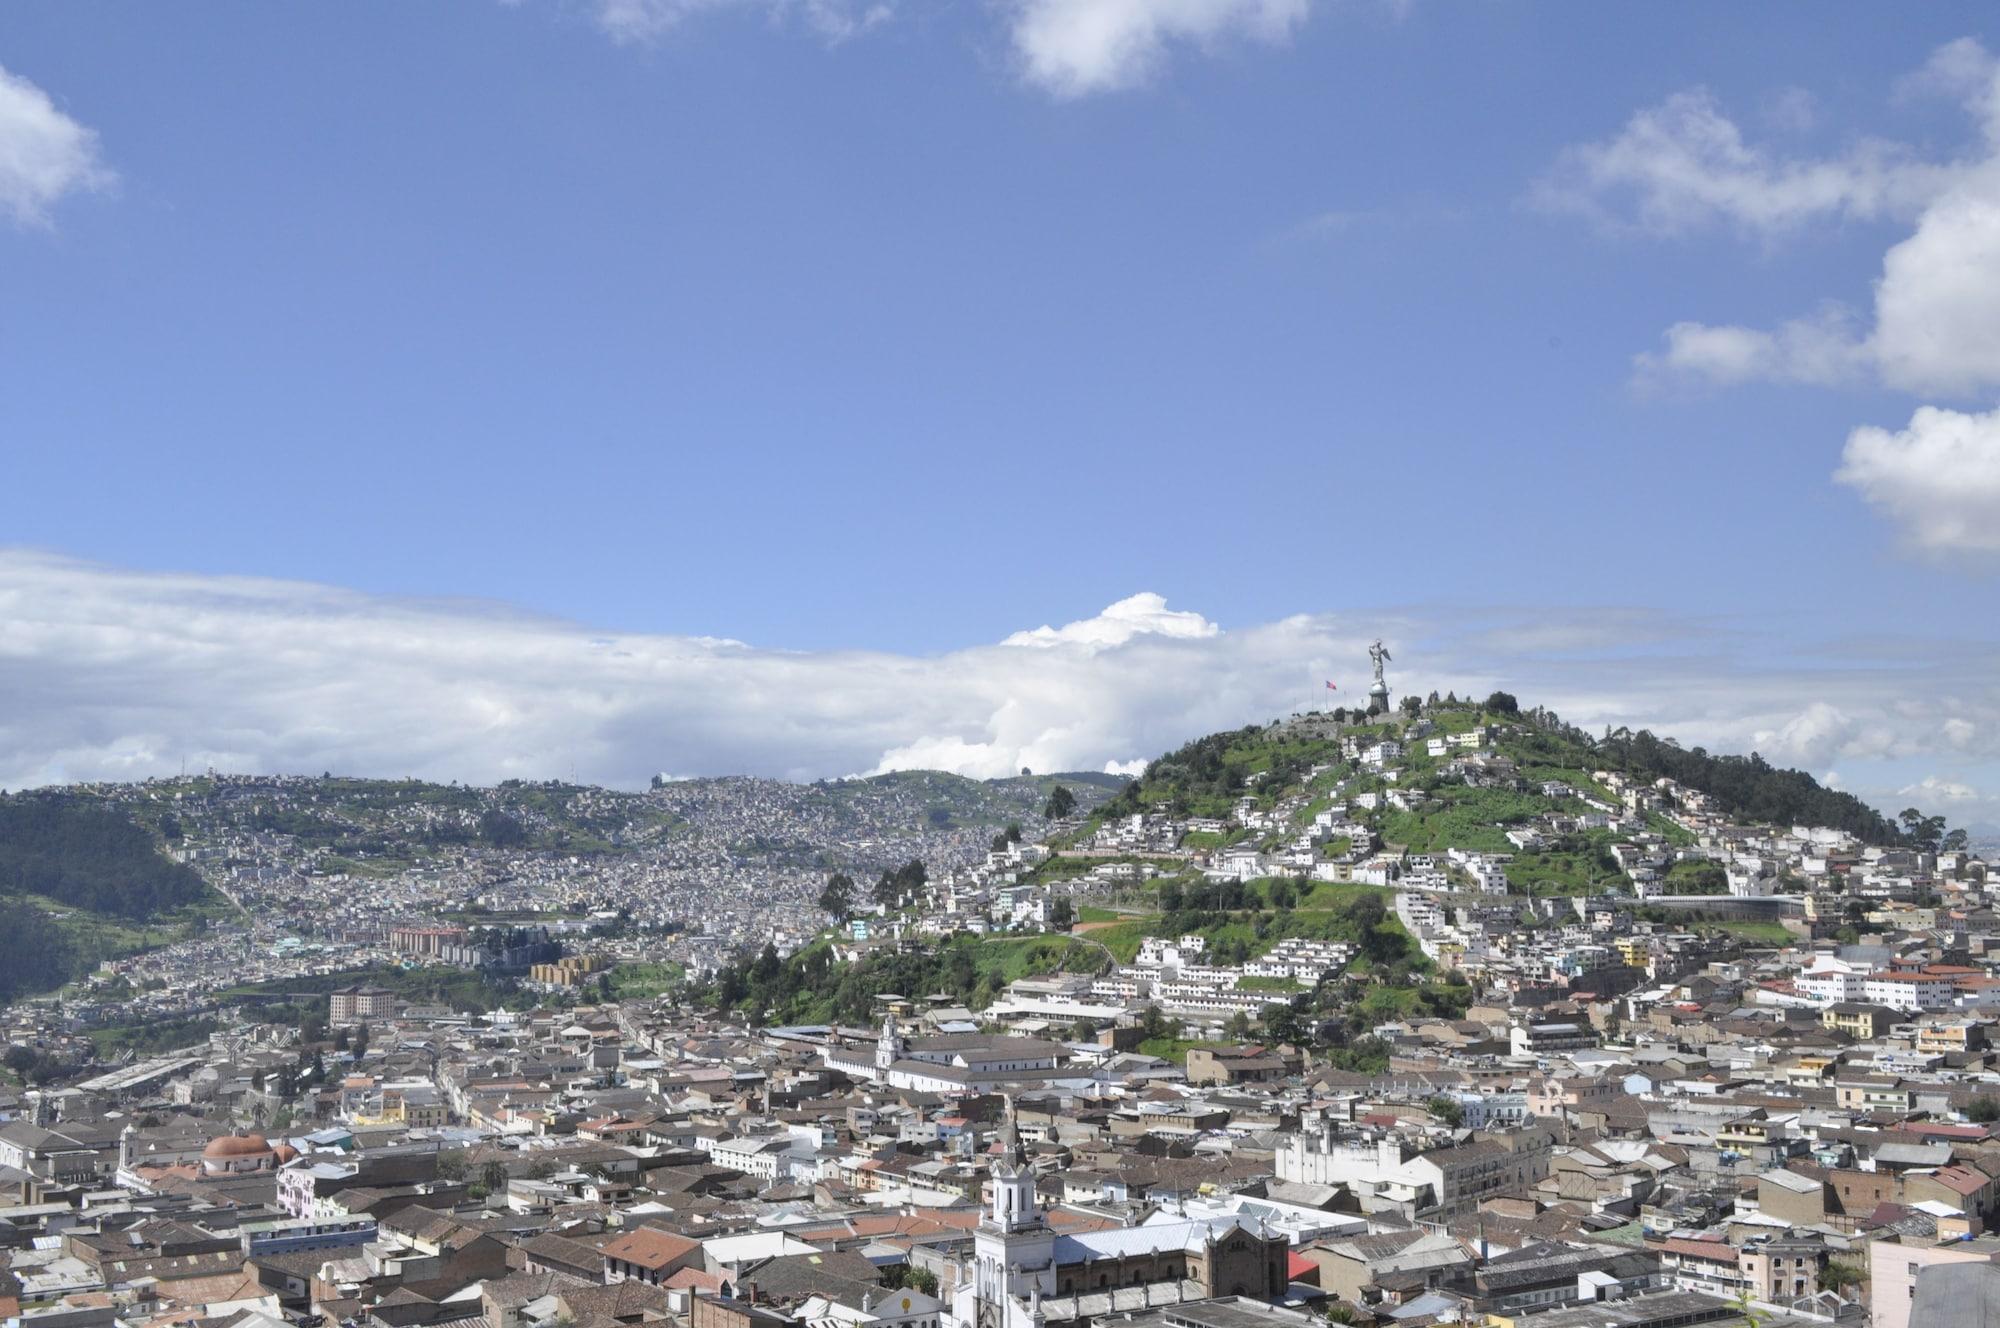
899,328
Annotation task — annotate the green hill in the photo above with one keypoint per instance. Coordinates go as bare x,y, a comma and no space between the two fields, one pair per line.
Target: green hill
83,882
1207,776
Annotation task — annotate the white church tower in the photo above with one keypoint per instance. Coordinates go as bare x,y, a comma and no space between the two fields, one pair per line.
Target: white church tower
889,1049
1013,1247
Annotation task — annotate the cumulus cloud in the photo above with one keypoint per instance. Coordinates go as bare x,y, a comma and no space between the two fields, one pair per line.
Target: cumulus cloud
1685,164
1938,479
1137,615
1931,789
1075,47
1822,349
44,154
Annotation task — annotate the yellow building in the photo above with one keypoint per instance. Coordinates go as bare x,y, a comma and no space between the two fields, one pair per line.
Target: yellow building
569,970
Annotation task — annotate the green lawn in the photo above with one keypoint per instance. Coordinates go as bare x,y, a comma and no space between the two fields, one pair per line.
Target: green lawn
638,982
1563,872
1697,877
1677,835
150,1038
1471,818
1170,1049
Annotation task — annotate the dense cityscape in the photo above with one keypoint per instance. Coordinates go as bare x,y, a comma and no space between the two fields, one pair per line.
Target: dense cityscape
1023,664
1429,1012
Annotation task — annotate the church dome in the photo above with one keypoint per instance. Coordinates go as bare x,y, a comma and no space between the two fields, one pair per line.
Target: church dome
235,1145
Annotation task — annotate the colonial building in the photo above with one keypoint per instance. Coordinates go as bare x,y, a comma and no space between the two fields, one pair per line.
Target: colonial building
1025,1275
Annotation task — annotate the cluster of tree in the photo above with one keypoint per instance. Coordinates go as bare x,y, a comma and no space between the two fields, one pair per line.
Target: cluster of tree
1010,836
33,1064
1198,767
1928,832
501,830
811,987
906,882
1227,896
36,955
1061,803
1748,786
89,856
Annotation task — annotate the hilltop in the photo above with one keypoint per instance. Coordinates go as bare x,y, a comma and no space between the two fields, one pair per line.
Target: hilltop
1305,861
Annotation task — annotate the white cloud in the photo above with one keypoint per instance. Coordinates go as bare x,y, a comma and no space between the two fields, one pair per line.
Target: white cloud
1821,349
636,22
1684,165
1938,479
1814,734
111,674
1136,615
44,154
1931,790
1076,47
1069,48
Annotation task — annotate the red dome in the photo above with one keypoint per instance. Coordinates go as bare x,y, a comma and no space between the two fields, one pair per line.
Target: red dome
236,1145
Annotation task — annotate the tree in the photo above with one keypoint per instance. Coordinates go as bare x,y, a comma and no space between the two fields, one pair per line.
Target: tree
1238,1027
1447,1109
1983,1110
493,1176
360,1042
451,1164
1281,1023
1956,841
909,1277
1503,703
1062,913
1412,704
1061,803
1924,832
1083,1030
